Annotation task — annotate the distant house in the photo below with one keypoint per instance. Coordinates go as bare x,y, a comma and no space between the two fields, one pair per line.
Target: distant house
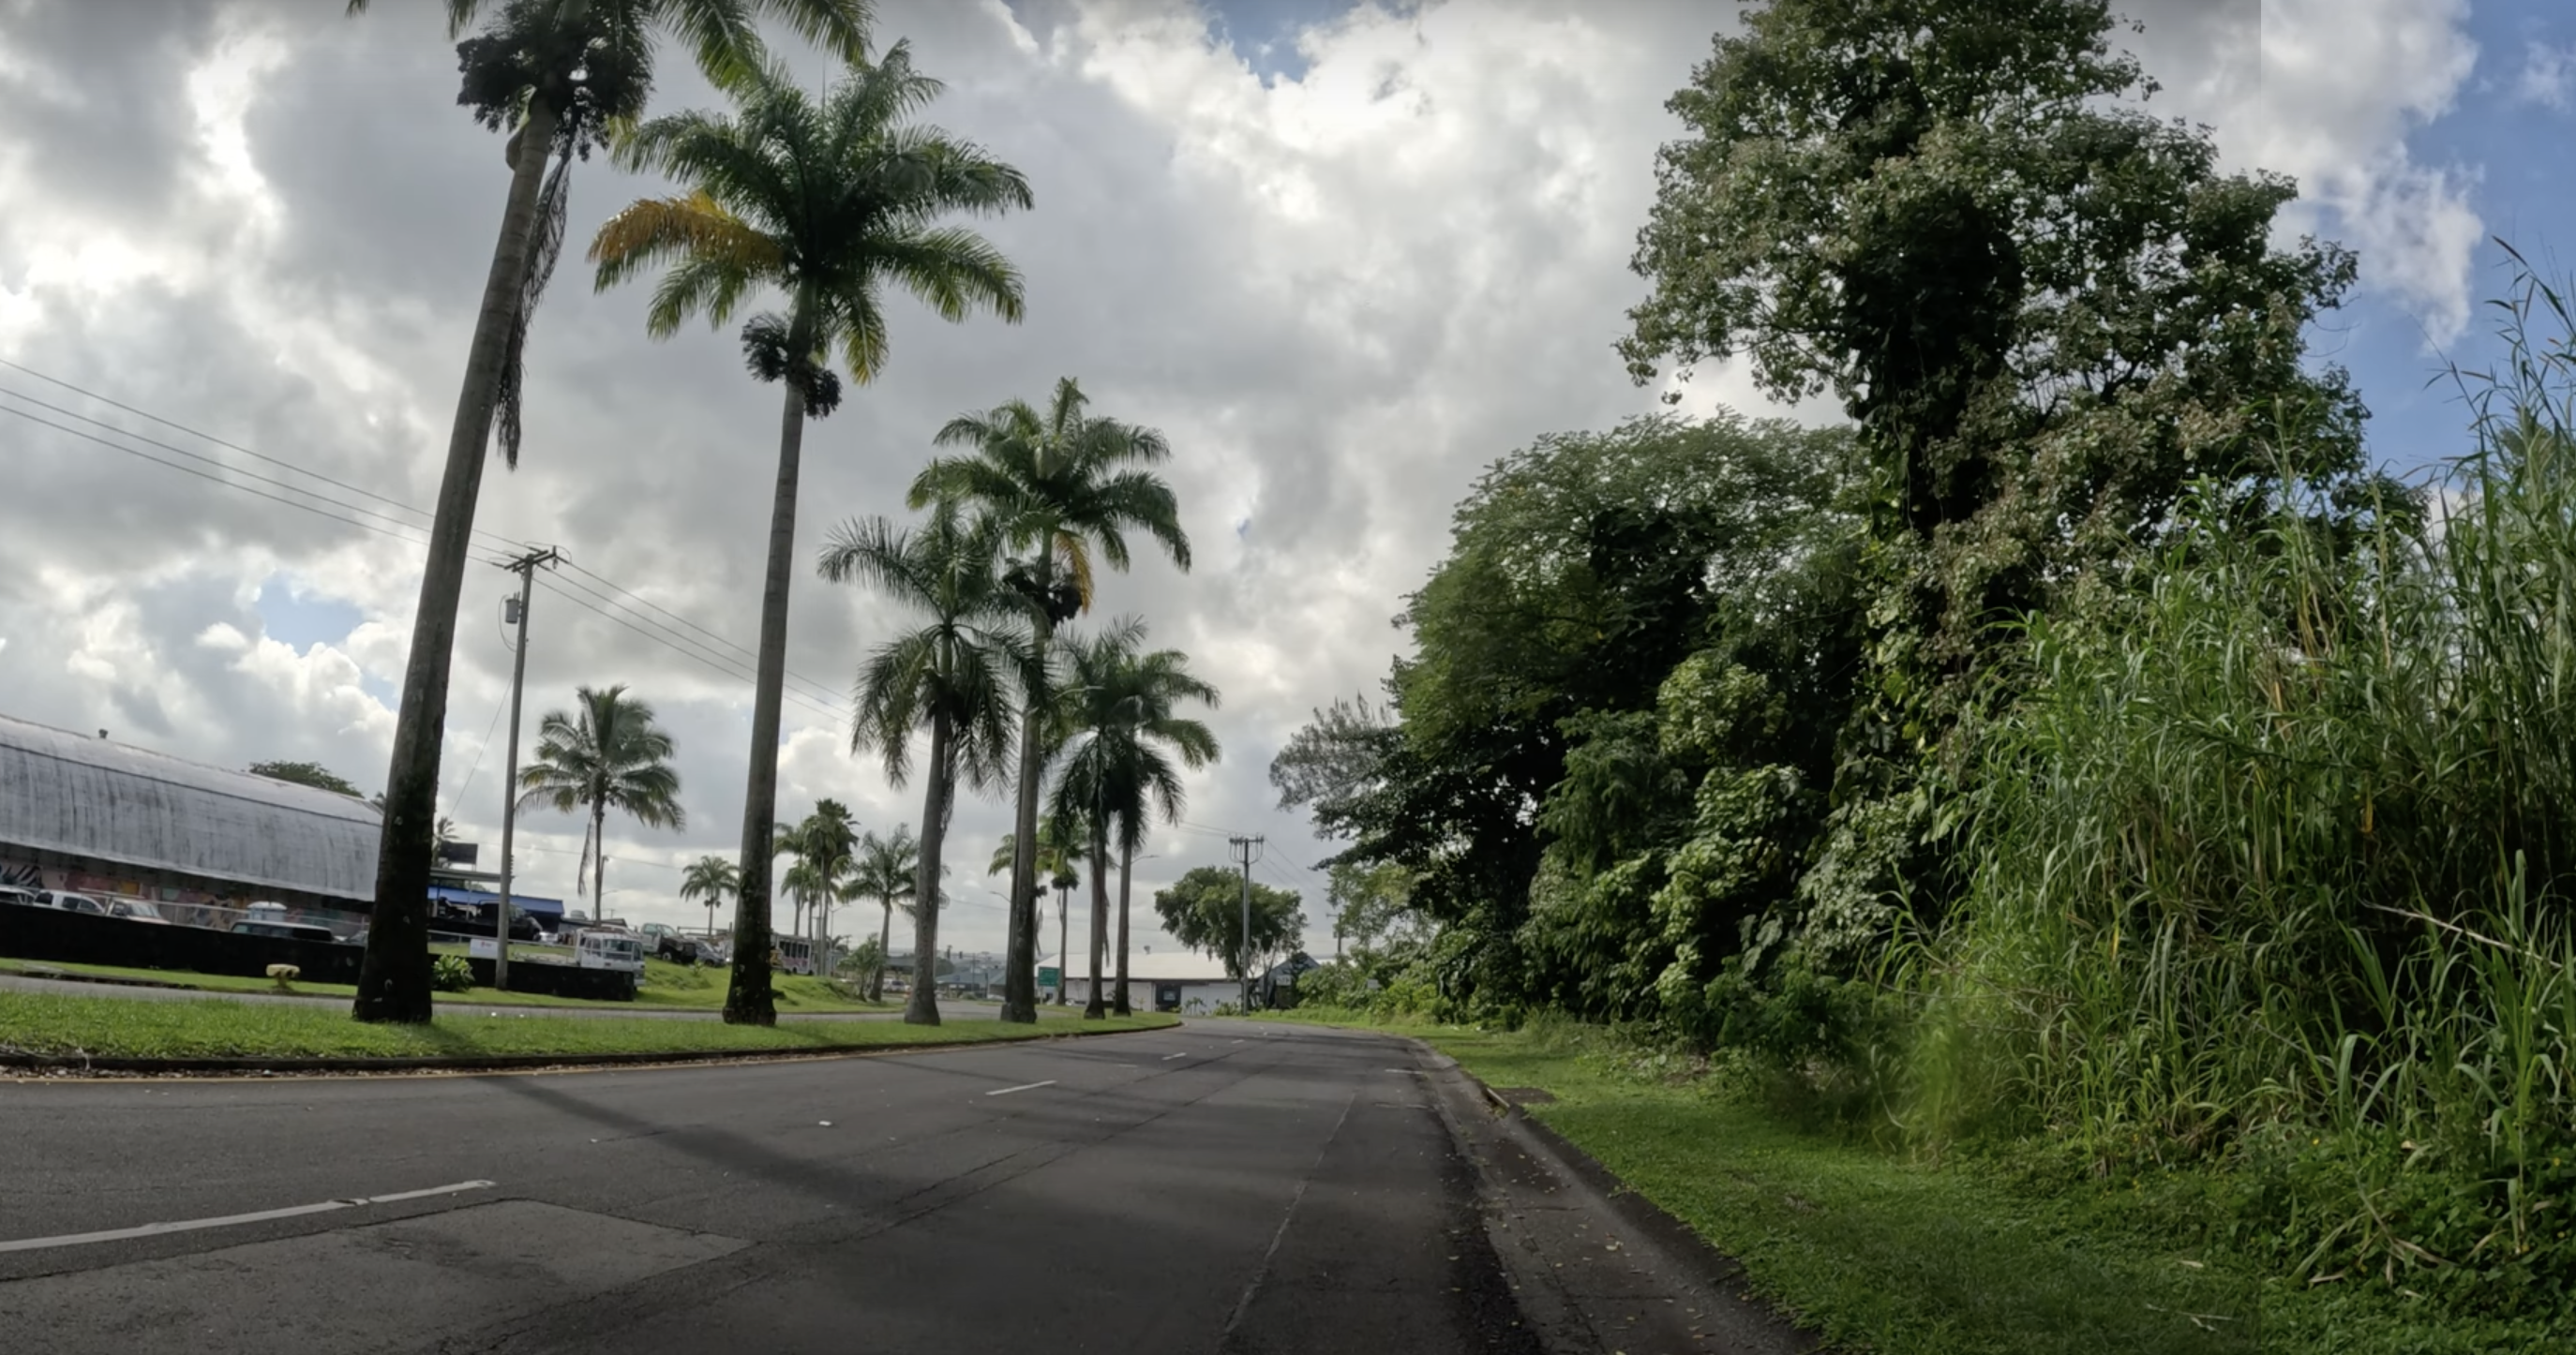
1165,980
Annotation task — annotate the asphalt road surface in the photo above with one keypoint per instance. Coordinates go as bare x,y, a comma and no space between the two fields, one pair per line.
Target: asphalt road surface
1222,1187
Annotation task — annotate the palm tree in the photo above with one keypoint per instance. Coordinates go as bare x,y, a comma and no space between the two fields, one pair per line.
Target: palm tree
826,846
712,878
885,873
1121,722
826,201
558,75
606,754
954,677
1061,485
1059,851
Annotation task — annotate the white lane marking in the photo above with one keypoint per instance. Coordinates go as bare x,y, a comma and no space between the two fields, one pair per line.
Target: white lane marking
232,1220
1167,1058
1023,1087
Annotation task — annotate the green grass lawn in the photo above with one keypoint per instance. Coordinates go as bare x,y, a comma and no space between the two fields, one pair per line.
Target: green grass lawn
1884,1252
110,1027
666,987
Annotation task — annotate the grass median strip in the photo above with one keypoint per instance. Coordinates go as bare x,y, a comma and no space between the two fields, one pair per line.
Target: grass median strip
666,987
121,1028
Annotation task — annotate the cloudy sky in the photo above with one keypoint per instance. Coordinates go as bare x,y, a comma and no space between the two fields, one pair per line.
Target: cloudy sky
1343,255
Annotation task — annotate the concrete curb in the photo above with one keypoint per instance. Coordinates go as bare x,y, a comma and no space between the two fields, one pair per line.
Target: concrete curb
498,1063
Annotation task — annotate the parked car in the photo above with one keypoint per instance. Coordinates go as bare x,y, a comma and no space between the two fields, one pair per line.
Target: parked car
291,931
75,903
135,910
523,924
712,951
24,898
668,944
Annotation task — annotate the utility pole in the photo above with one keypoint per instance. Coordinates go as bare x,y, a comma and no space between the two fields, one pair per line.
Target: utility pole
1248,850
514,610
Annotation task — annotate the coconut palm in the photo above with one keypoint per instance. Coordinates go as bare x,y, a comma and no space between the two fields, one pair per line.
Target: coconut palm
885,871
558,76
711,878
828,201
1123,732
953,677
1063,486
607,753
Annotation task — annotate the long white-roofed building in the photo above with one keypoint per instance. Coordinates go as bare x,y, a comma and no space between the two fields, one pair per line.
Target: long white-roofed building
90,815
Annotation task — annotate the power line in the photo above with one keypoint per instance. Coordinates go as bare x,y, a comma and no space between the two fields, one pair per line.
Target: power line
400,529
666,641
209,437
228,484
740,656
742,649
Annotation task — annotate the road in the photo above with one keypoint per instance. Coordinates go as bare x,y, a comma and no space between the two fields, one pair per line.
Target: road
1221,1187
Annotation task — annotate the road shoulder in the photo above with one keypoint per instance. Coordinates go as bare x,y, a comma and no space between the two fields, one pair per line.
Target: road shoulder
1597,1268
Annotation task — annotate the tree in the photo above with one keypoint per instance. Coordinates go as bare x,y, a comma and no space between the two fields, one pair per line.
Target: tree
1122,722
1063,486
312,774
1203,910
1059,851
827,201
1581,570
826,846
2048,311
607,753
1368,901
558,75
885,872
711,878
953,677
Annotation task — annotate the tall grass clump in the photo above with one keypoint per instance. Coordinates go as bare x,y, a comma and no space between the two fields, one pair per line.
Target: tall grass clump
2274,867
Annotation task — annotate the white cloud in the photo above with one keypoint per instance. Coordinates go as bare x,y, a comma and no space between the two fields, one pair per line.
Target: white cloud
2328,92
2547,77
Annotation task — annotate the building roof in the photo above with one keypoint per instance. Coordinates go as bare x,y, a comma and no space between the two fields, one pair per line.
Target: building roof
112,802
1166,966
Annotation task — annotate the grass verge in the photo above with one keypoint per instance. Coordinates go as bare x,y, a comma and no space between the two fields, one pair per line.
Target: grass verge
1902,1256
108,1027
666,987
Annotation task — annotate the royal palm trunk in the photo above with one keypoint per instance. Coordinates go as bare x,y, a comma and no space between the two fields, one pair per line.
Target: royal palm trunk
1020,961
749,998
393,980
1126,864
1094,1010
921,1006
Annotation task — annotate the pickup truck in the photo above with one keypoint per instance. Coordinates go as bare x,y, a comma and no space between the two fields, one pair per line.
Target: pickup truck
668,944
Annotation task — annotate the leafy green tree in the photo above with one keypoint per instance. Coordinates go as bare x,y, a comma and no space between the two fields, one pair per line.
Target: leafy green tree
1369,901
606,753
885,871
953,676
1063,486
1581,571
2049,312
1126,744
1203,910
828,202
312,774
558,75
712,878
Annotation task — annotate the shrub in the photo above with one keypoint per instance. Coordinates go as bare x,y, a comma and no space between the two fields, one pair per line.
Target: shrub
451,974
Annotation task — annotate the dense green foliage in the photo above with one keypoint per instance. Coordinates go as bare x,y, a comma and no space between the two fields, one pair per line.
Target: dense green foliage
2085,754
1204,910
